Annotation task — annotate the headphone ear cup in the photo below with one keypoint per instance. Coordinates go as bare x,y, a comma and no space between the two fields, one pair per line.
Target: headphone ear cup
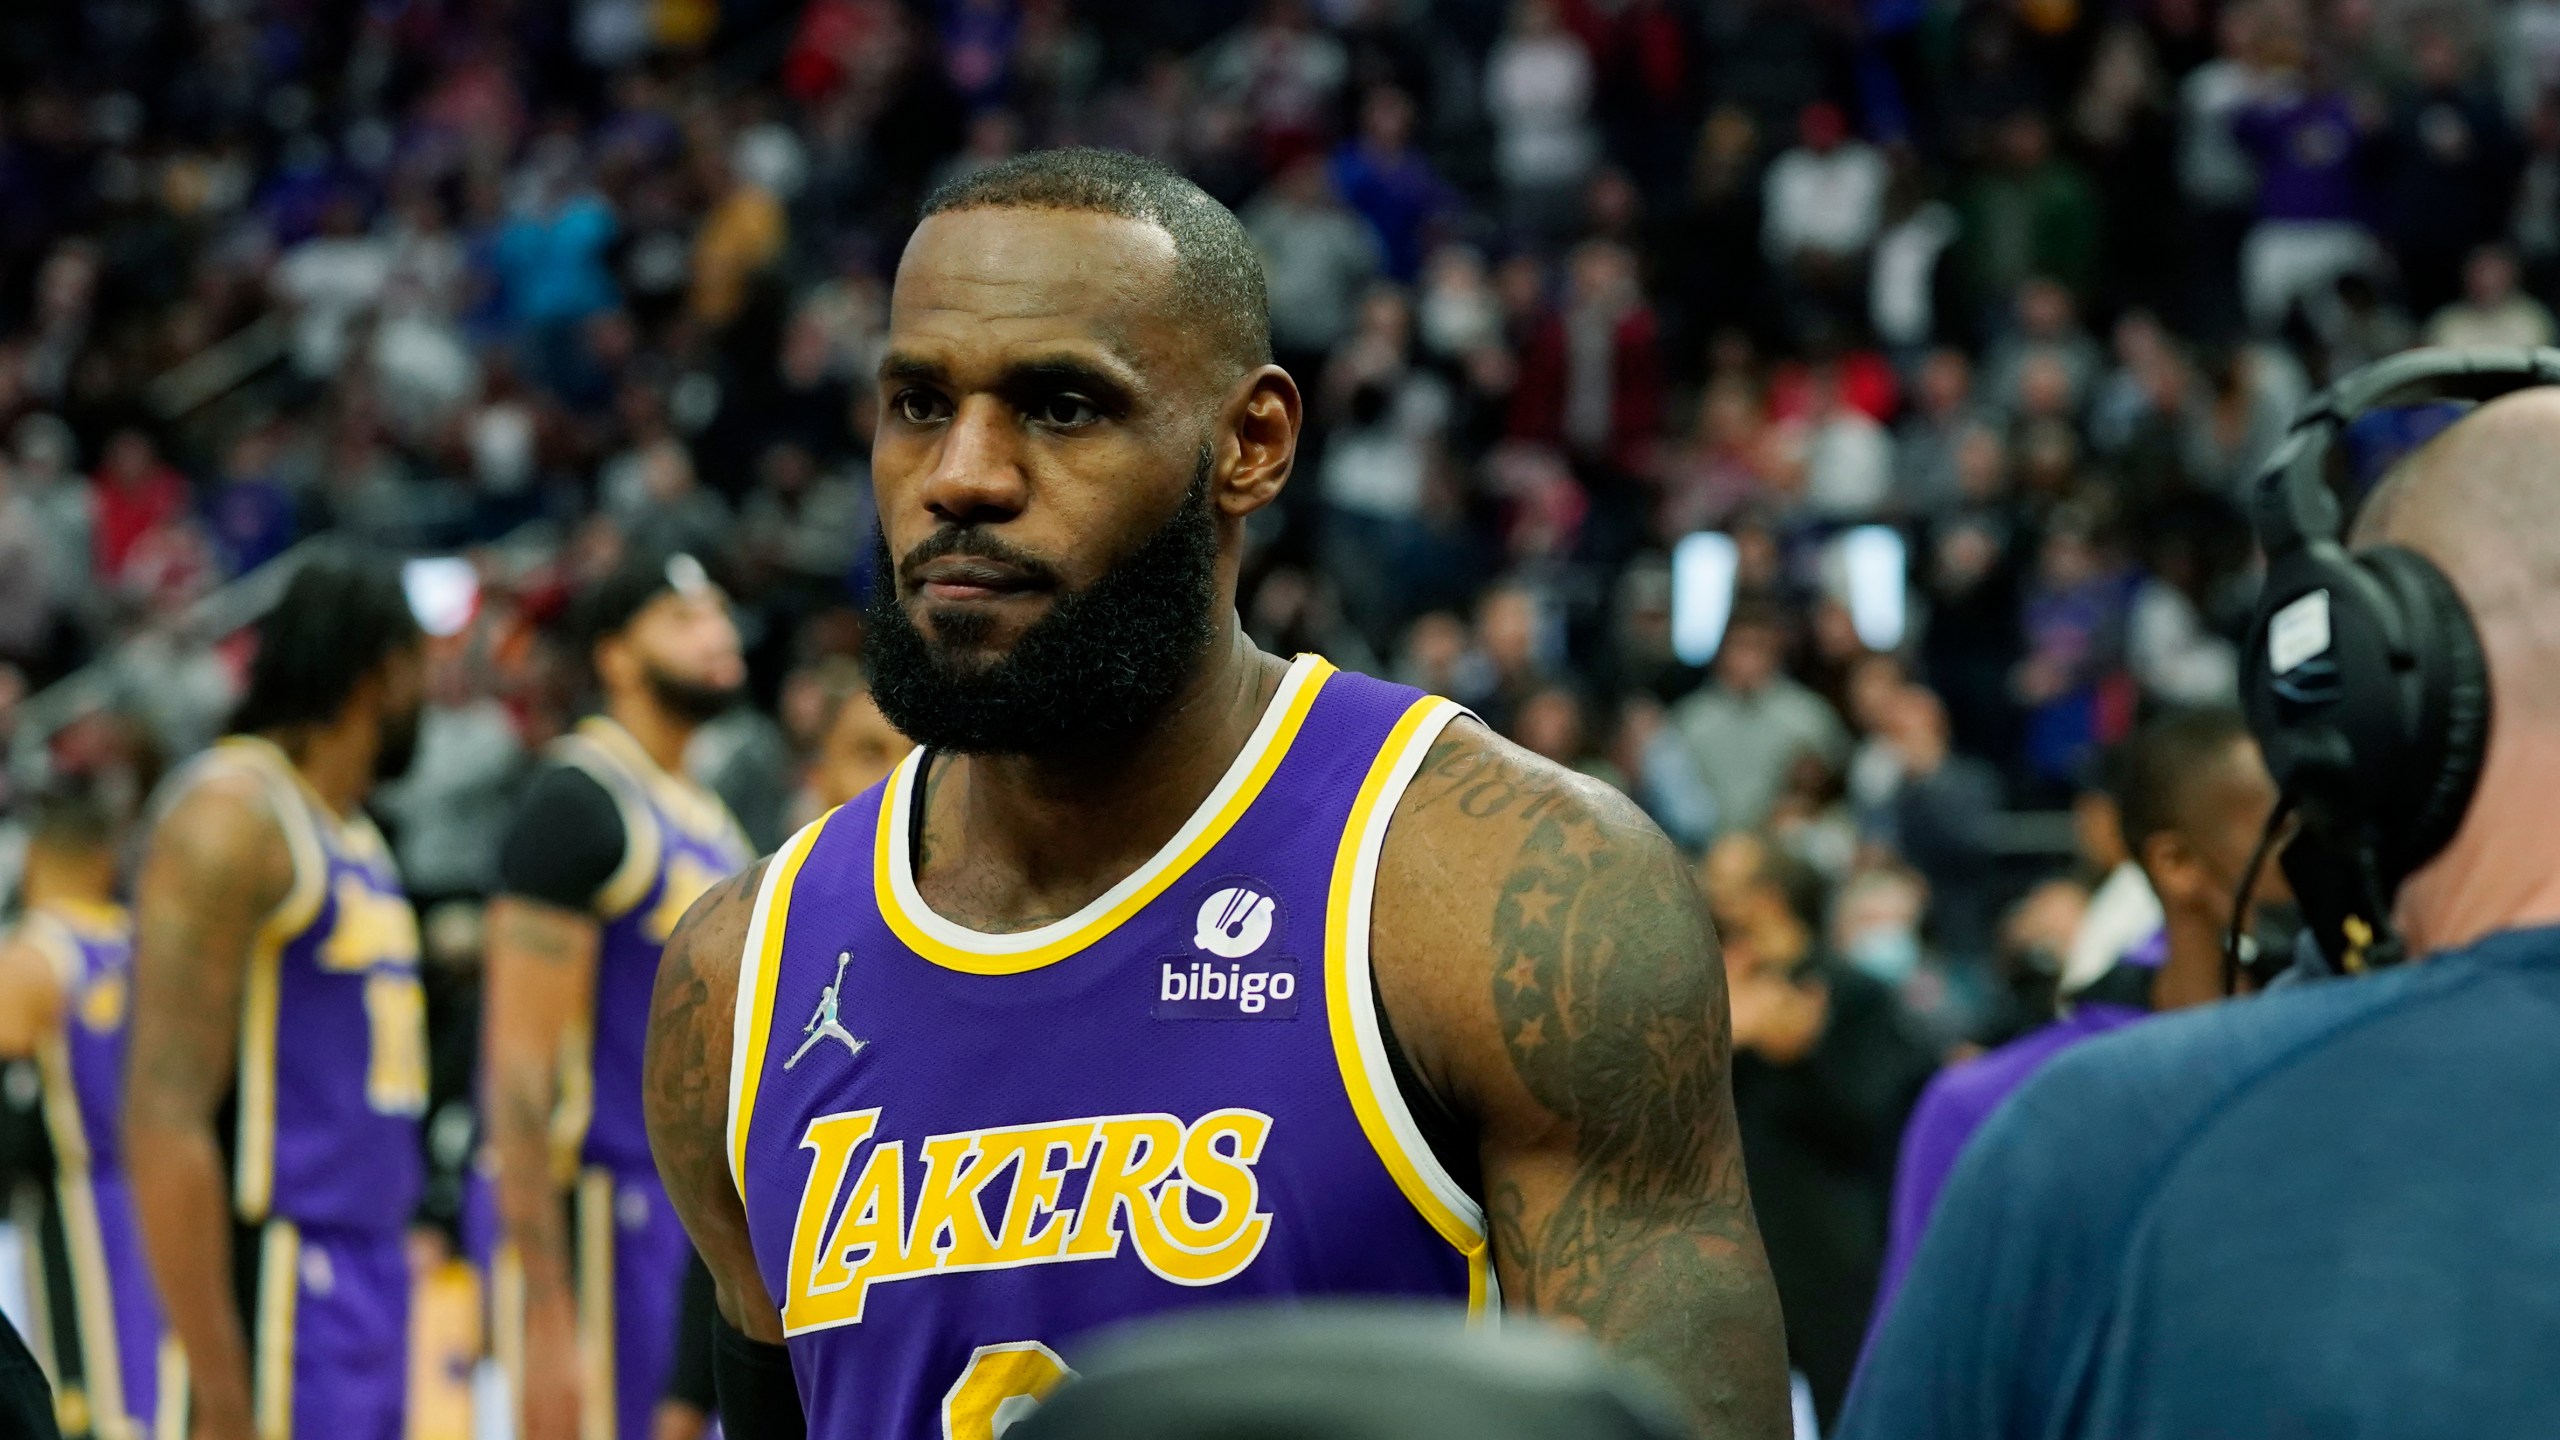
2452,724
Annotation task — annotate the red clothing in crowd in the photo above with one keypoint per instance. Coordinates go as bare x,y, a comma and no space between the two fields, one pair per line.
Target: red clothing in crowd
1539,401
132,504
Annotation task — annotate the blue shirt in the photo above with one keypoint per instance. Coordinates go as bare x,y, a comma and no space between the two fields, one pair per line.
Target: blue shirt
2326,1211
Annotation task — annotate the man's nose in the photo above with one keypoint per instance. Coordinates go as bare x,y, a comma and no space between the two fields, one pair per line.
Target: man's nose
977,476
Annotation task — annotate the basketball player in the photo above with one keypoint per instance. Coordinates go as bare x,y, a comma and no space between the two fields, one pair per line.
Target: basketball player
279,1032
65,982
609,847
1166,972
856,745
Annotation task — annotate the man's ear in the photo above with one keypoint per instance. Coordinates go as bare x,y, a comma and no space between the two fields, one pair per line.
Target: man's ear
1260,445
2170,864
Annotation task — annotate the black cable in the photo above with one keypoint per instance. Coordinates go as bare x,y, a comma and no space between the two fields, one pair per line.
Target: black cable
2240,902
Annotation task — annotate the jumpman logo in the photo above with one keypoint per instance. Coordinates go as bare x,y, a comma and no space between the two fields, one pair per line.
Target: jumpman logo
823,1025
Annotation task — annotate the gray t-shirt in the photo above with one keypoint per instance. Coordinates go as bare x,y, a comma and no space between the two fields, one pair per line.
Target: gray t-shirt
2327,1211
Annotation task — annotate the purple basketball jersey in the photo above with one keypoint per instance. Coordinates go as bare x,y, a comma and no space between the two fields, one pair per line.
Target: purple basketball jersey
678,841
962,1152
112,1307
333,1039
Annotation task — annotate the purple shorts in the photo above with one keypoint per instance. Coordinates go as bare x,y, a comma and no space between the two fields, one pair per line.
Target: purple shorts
329,1333
99,1327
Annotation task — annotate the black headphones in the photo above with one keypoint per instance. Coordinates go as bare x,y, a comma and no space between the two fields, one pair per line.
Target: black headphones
2364,681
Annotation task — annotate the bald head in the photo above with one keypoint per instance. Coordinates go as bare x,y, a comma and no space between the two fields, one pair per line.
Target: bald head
2482,500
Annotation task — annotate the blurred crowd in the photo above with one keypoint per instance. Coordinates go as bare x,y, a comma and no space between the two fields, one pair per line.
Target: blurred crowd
1957,326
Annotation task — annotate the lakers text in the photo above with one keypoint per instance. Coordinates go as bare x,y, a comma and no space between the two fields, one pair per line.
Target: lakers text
1144,1181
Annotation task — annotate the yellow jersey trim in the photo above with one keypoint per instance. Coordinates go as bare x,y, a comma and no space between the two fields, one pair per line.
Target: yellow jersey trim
976,952
299,814
1358,1048
642,845
595,1319
98,920
92,1292
758,970
696,806
279,1287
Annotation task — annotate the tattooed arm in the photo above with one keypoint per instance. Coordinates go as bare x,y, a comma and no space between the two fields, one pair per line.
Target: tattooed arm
1548,965
685,1091
216,868
542,979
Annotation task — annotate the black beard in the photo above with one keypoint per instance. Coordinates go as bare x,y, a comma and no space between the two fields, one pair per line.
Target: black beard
689,700
398,748
1098,669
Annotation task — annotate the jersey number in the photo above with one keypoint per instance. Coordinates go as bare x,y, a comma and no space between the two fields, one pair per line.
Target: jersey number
395,1008
1001,1385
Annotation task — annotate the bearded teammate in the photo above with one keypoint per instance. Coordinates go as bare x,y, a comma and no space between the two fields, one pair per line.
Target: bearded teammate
1172,973
65,995
279,1031
609,846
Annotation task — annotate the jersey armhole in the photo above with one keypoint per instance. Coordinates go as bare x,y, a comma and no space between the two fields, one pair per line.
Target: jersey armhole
759,968
53,940
1359,1040
310,858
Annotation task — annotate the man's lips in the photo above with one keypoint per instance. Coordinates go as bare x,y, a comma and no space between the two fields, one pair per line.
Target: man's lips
970,577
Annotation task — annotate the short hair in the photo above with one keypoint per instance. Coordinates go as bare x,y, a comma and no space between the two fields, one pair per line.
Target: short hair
70,817
342,614
1217,272
1795,881
2165,768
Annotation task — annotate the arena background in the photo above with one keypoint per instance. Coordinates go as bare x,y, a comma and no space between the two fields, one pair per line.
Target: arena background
1826,421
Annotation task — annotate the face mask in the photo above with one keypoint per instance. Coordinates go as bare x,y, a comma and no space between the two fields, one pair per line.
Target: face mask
1887,953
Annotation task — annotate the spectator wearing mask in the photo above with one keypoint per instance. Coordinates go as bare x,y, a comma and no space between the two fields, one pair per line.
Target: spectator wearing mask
1741,733
2194,796
2493,310
1825,1070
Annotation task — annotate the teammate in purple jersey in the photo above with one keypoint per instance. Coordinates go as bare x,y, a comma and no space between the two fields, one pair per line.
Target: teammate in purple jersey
609,847
279,1031
1168,972
65,990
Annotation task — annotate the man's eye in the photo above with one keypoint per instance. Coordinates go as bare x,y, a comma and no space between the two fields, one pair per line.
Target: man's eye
917,407
1065,411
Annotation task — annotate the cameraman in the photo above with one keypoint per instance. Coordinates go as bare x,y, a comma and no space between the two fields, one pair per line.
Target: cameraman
2326,1211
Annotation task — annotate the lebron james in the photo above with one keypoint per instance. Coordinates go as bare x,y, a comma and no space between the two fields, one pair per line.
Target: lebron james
1166,972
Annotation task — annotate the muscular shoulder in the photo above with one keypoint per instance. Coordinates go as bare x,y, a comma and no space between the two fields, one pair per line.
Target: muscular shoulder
686,1070
1530,920
1477,798
222,831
